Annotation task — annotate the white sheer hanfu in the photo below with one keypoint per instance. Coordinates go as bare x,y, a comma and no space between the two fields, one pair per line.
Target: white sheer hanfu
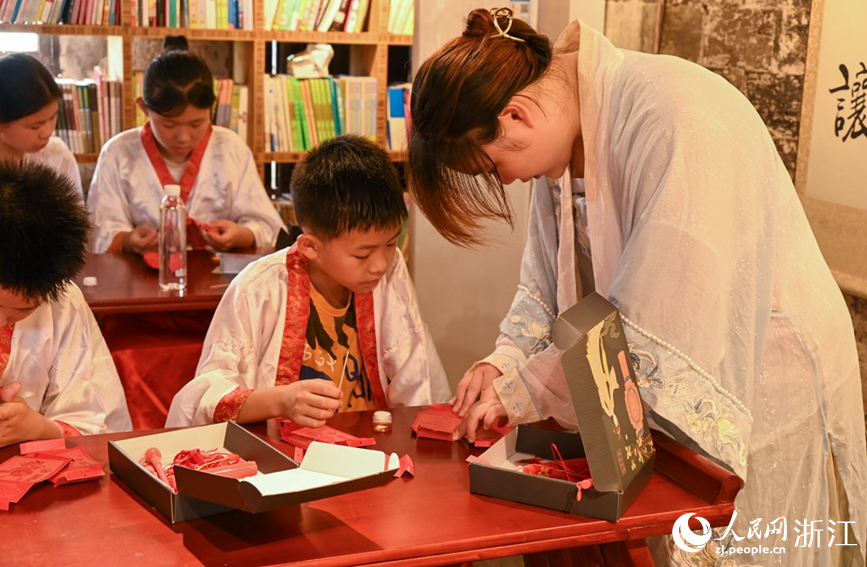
126,191
57,156
242,348
65,369
743,344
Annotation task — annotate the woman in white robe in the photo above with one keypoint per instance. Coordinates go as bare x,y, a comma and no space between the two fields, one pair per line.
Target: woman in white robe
243,345
676,195
29,101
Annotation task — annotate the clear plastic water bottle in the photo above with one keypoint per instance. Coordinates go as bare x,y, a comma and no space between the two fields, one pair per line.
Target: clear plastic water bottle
173,240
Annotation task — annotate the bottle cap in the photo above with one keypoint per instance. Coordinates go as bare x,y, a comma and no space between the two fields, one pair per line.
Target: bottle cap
89,281
173,190
381,417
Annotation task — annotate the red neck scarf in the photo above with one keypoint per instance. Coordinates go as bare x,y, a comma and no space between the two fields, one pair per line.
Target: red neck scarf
188,179
295,329
5,346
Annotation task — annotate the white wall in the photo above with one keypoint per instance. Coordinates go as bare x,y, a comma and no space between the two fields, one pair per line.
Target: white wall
464,294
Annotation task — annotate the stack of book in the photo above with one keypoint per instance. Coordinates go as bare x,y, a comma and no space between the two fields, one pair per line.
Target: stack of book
89,113
80,12
301,113
194,14
316,15
230,108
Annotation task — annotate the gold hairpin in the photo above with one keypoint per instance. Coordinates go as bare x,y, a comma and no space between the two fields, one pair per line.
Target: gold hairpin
506,13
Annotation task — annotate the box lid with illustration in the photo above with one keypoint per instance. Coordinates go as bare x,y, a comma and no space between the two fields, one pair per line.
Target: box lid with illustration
601,379
614,436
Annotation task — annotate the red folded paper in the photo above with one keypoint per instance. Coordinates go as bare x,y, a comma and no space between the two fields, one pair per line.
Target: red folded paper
152,259
440,422
302,436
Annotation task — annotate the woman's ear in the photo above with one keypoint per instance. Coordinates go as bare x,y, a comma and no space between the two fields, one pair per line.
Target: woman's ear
308,246
140,102
517,111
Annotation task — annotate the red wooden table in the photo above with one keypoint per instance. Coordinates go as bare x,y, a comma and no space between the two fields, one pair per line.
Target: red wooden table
155,337
126,284
429,519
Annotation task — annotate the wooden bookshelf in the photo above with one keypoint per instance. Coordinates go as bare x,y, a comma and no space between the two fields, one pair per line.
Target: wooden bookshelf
369,57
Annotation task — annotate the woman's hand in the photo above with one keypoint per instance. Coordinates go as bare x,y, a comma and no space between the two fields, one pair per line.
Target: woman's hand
228,235
488,410
474,383
19,422
142,239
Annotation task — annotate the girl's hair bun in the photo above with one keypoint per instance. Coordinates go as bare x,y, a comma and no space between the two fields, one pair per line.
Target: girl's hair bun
175,43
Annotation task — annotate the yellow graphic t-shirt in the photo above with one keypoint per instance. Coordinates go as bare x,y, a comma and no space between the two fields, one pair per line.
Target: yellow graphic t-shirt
332,351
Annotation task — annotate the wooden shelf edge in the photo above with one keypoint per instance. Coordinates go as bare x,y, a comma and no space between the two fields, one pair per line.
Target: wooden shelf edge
62,29
295,157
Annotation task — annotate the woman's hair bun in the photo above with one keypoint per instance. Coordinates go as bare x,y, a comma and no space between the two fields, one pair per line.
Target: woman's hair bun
175,43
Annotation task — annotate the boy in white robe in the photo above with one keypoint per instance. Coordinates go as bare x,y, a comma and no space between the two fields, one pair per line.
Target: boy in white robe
331,324
56,373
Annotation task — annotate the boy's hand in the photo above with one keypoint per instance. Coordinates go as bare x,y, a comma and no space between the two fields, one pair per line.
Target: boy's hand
228,235
484,413
309,402
141,239
477,379
19,422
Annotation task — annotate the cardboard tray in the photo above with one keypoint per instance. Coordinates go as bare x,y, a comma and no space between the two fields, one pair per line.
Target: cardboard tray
616,439
327,470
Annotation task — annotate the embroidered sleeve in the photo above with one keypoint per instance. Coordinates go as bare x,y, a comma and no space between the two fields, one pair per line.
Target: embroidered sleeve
67,430
229,407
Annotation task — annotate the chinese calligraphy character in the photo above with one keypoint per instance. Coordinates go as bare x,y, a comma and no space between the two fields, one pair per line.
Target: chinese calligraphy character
857,101
755,529
806,536
845,532
776,528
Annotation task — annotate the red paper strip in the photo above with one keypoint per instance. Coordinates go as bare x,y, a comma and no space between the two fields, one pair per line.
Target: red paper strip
301,437
42,445
299,455
406,467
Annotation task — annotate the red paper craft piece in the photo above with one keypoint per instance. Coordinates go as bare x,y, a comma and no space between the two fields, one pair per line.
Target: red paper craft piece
28,468
406,466
42,446
303,436
299,455
81,467
438,421
152,259
11,492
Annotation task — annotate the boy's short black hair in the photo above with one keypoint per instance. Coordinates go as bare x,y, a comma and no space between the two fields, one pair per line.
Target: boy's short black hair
347,183
43,230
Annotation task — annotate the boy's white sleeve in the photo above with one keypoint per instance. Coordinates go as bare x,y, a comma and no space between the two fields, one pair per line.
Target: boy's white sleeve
410,367
242,347
82,387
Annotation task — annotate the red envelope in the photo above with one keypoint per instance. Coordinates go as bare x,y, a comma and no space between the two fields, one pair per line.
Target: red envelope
42,446
81,466
301,437
11,491
28,468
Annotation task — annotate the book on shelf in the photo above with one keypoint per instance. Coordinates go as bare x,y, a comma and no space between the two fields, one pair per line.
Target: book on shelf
396,123
315,15
191,14
400,16
84,12
301,113
87,115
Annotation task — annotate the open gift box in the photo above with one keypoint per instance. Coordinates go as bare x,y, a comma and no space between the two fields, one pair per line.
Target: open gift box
614,436
327,470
